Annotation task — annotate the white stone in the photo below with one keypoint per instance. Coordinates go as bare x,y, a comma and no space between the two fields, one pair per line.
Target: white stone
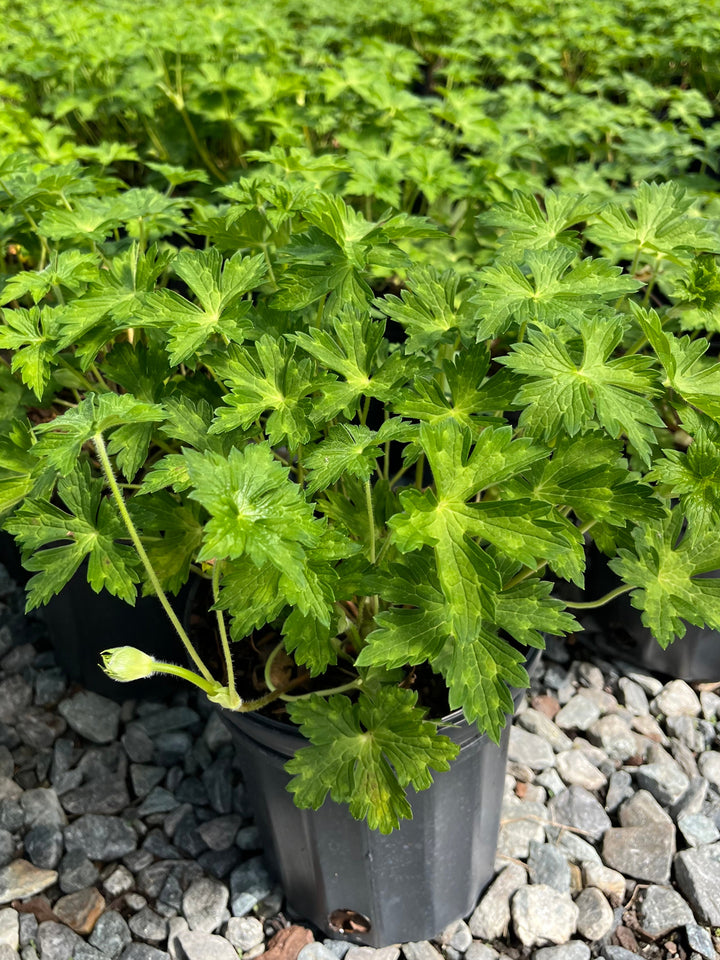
542,915
10,928
676,699
491,917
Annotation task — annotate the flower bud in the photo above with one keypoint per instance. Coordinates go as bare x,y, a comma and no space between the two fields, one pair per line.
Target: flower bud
127,663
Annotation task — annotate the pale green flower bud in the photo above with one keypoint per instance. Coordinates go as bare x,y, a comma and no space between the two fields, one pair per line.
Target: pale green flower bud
127,663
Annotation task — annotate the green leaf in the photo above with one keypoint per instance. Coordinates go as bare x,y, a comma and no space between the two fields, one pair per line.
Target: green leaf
274,382
570,391
477,673
64,437
171,533
525,226
416,627
251,594
558,290
527,611
218,287
255,509
70,269
349,449
32,336
661,227
93,527
665,572
310,642
695,378
366,754
693,475
432,309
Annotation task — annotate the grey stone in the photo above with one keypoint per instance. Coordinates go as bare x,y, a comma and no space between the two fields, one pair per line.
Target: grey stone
610,882
9,928
590,675
7,847
58,942
697,873
634,697
28,928
692,800
142,951
661,910
421,950
248,838
110,934
15,697
44,846
102,795
665,780
536,722
119,882
698,829
577,807
521,822
687,731
620,788
480,951
171,748
76,872
244,933
542,915
42,808
205,904
530,749
683,756
709,766
576,770
579,713
710,705
614,736
21,879
651,685
101,837
249,883
94,717
216,733
644,853
549,865
457,936
145,776
650,728
618,953
50,685
167,719
641,810
577,850
491,917
147,925
700,940
7,763
8,953
217,780
338,947
572,950
219,833
159,800
198,945
138,745
551,781
595,915
676,699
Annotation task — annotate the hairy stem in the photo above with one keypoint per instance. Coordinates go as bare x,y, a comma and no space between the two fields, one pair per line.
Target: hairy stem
592,604
221,628
102,453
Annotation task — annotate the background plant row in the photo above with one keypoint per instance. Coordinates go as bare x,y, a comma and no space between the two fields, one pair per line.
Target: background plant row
436,107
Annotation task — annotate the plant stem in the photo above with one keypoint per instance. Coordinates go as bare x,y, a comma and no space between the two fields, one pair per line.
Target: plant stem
592,604
221,628
371,519
278,692
99,443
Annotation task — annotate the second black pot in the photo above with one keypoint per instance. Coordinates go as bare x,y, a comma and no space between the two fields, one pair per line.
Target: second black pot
82,623
354,882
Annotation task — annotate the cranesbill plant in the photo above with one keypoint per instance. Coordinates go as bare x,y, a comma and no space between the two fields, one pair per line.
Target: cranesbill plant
380,470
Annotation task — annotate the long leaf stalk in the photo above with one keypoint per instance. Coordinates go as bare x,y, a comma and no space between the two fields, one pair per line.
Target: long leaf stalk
100,447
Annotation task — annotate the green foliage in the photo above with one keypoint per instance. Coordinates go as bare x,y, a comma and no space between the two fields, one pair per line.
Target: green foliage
370,317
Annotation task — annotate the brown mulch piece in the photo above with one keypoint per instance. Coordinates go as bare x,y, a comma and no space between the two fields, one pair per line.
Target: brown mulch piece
287,943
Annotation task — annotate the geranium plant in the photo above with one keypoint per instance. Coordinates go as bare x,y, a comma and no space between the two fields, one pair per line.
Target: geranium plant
383,467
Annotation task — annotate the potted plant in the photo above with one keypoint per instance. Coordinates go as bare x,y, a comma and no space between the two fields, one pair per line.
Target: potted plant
379,471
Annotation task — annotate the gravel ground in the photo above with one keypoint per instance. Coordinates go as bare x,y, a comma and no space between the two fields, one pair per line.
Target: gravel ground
115,822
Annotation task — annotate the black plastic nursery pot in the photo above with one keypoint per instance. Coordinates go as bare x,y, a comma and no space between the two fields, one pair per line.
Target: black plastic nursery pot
694,657
82,623
356,883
